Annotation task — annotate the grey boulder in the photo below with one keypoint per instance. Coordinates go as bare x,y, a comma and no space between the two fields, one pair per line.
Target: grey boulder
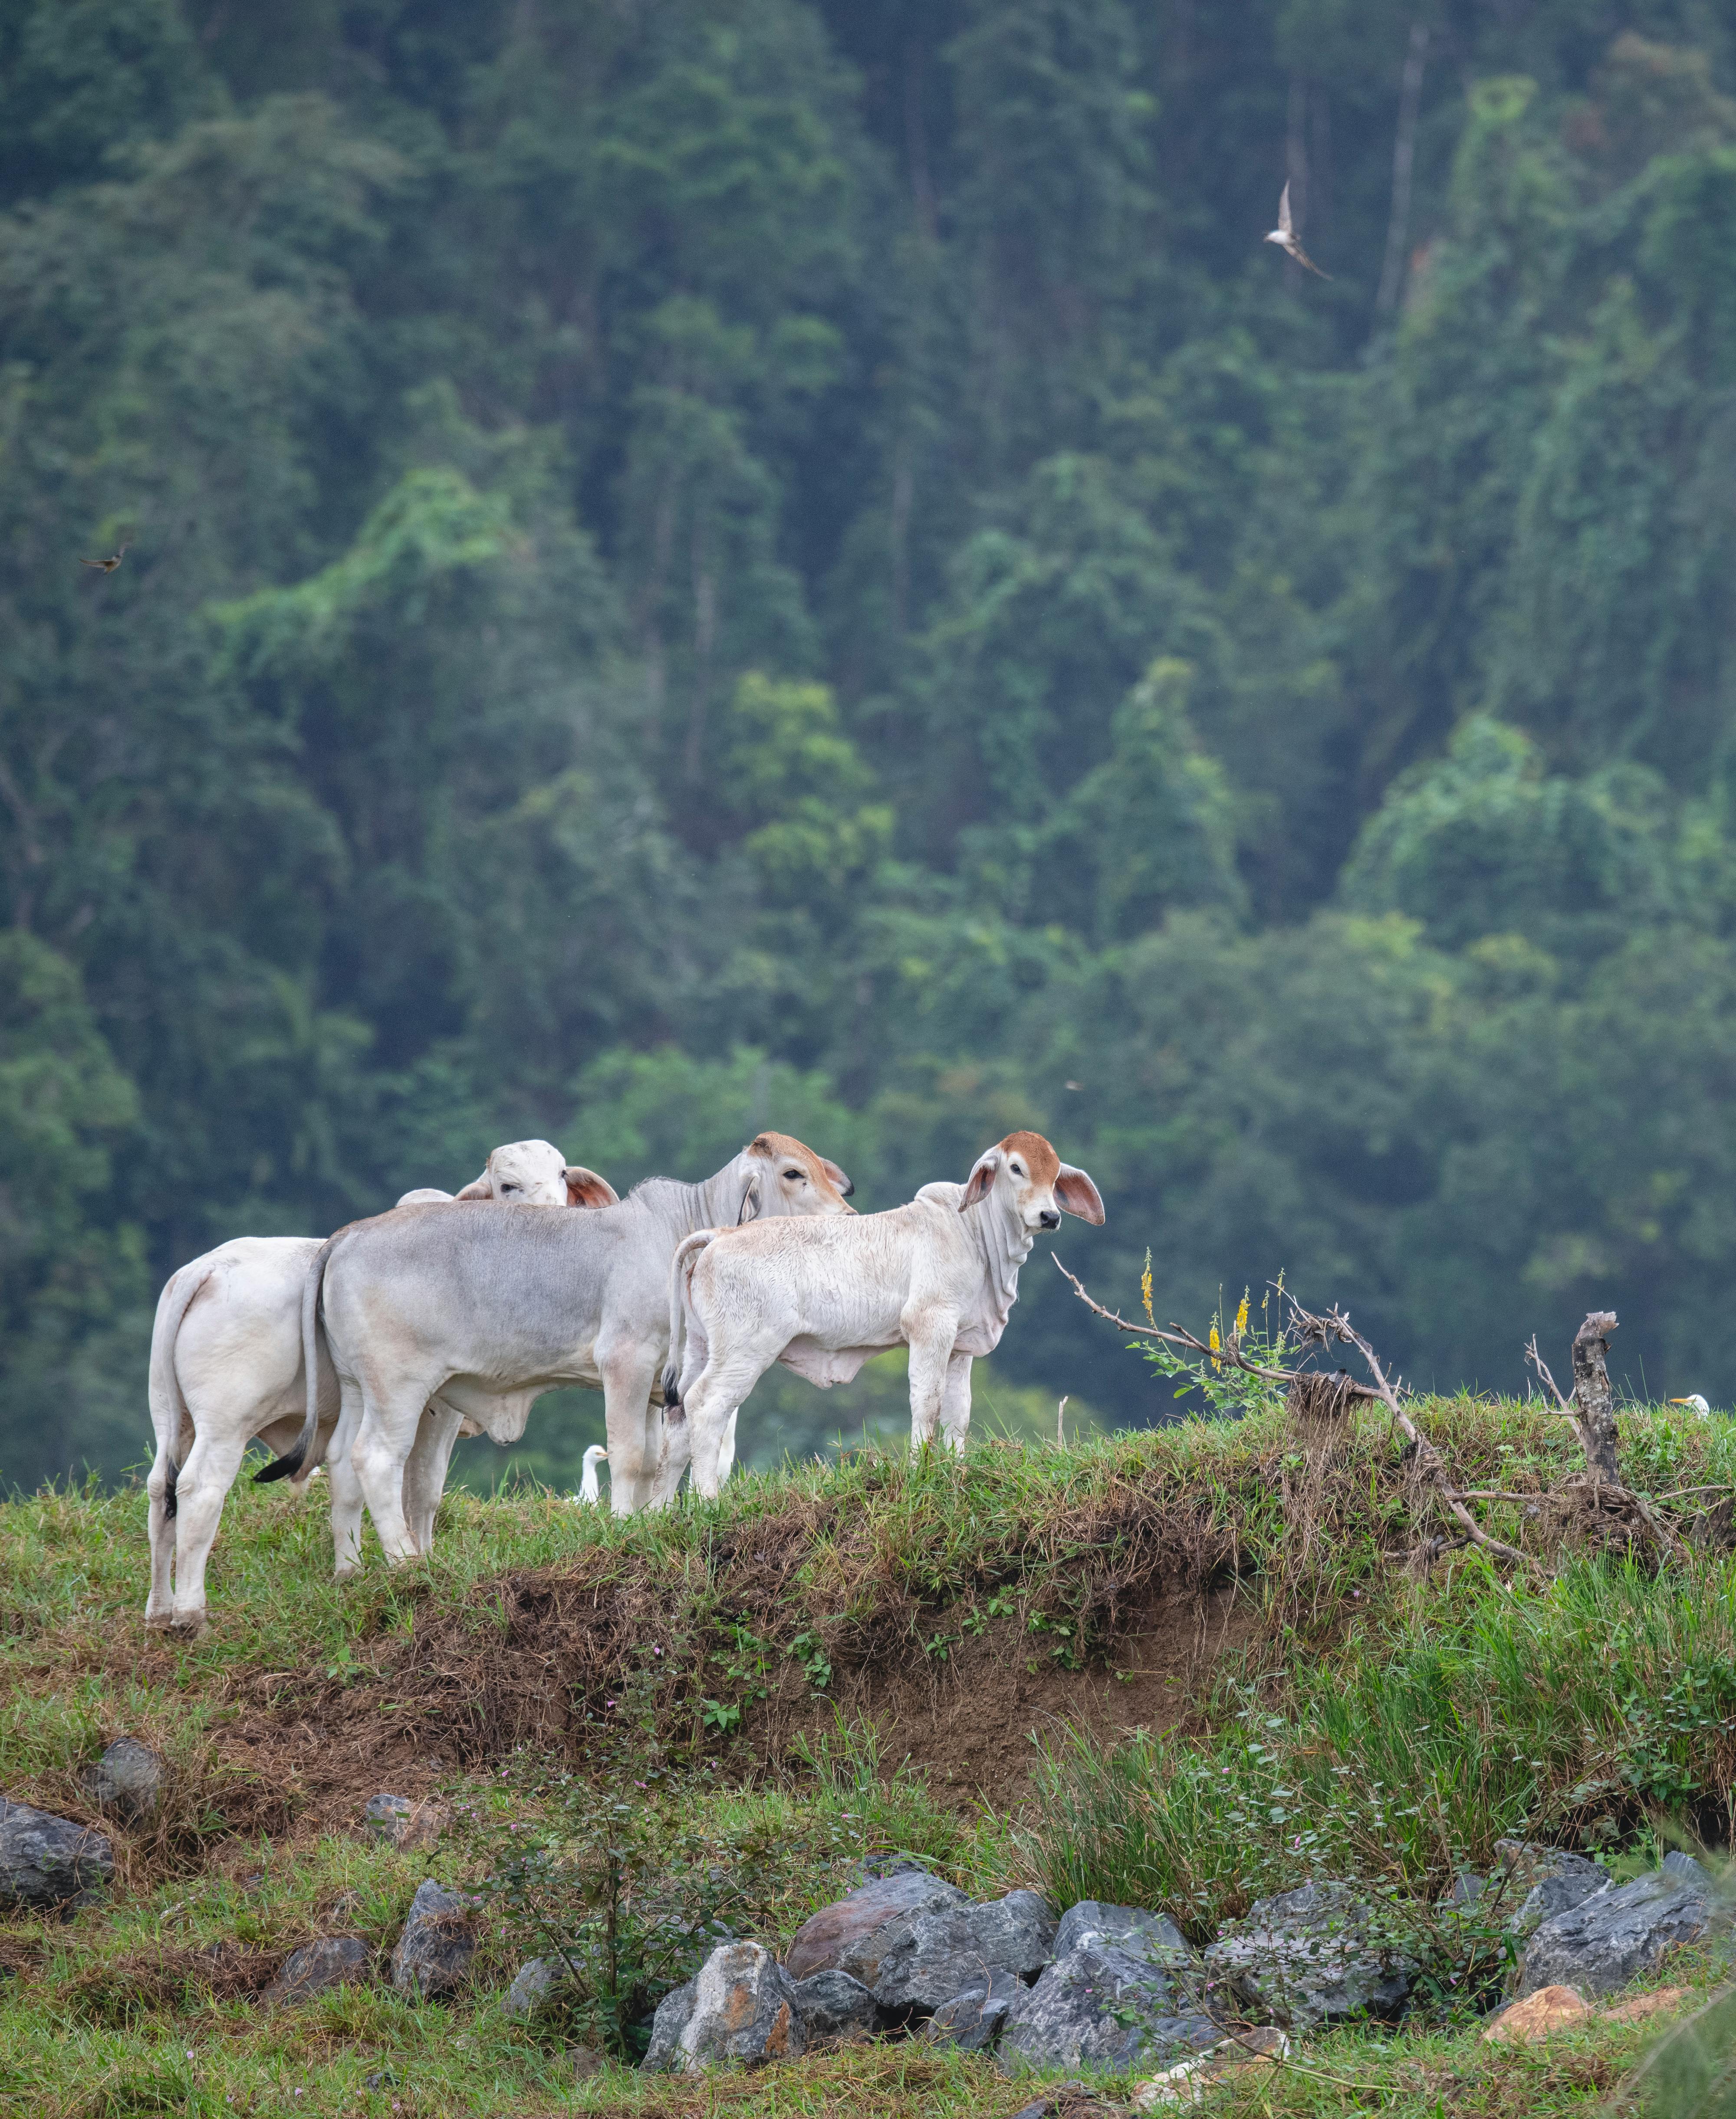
1620,1931
850,1935
739,2005
49,1861
1537,1883
1315,1955
410,1826
336,1960
1099,2006
535,1980
832,2005
923,1959
434,1951
972,2020
127,1779
1130,1928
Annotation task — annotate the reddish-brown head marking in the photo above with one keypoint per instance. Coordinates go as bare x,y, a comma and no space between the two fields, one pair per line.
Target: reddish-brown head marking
783,1153
1045,1187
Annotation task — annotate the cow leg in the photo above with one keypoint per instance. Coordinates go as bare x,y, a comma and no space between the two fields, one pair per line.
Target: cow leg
159,1604
955,1403
673,1460
347,1488
201,1490
712,1406
383,1443
930,1356
634,1424
425,1472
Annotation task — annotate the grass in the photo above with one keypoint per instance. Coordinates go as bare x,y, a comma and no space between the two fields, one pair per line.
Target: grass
1373,1724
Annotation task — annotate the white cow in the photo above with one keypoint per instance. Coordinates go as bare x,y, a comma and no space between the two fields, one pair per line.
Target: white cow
939,1276
488,1309
227,1365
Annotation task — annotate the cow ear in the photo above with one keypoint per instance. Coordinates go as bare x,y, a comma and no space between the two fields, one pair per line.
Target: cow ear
749,1203
1074,1193
982,1177
837,1176
479,1188
586,1189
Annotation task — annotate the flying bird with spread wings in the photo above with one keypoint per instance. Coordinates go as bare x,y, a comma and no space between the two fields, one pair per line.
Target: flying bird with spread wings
1285,236
108,566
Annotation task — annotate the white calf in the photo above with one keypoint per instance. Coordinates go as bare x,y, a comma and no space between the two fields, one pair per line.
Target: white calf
939,1276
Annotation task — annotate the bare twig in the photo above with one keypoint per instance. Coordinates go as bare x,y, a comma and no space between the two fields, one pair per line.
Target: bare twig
1337,1326
1177,1335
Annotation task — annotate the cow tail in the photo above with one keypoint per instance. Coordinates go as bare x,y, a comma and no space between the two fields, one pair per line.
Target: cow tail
292,1460
171,1415
680,1288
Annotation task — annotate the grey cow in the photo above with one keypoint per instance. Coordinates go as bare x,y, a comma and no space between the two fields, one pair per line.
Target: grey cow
487,1307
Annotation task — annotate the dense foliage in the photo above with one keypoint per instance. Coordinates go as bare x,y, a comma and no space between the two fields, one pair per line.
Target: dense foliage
798,562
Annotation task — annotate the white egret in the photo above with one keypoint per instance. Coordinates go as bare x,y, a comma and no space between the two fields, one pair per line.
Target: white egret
587,1488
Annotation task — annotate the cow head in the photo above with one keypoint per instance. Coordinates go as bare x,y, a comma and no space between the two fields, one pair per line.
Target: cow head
1036,1185
535,1173
784,1176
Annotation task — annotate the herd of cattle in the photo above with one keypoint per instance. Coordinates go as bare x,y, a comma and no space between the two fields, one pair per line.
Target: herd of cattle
372,1350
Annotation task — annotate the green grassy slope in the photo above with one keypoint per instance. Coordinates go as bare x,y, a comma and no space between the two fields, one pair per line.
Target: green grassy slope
728,1677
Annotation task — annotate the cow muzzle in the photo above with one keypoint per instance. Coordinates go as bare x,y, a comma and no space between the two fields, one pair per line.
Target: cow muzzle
1048,1218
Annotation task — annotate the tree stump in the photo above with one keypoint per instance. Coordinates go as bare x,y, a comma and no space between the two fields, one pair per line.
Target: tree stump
1593,1397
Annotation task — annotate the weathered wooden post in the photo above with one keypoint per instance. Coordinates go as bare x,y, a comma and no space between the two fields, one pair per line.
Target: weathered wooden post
1592,1395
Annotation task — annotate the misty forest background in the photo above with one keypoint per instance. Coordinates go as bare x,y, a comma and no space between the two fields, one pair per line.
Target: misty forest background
700,564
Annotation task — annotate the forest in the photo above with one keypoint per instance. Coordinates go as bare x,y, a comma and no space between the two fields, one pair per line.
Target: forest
689,565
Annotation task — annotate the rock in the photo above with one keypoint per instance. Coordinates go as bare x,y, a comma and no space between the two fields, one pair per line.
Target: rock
49,1861
739,2005
586,2063
1620,1932
127,1779
1312,1956
434,1952
1069,2100
974,2020
1192,2081
1129,1928
844,1937
1537,1883
335,1960
410,1826
1661,2001
832,2005
534,1983
1099,2007
923,1959
1549,2009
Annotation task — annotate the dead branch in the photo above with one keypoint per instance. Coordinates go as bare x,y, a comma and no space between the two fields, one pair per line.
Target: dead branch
1336,1325
1178,1335
1312,1330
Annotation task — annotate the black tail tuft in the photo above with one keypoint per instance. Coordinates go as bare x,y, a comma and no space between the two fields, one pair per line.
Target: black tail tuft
174,1472
671,1390
280,1468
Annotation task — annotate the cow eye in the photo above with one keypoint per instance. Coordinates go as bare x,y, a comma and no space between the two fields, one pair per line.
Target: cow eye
1017,1171
793,1173
509,1187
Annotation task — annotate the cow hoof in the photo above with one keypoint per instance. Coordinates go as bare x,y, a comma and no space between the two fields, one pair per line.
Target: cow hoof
158,1622
347,1570
186,1625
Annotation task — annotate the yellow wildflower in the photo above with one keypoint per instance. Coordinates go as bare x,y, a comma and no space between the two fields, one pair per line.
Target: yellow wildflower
1145,1291
1241,1315
1217,1344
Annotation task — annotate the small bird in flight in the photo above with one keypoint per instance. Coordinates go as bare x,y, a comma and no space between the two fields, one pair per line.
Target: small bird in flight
1285,236
109,566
